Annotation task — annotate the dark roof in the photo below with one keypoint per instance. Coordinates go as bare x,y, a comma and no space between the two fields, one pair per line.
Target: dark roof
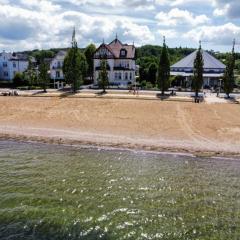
47,60
19,57
61,53
210,62
116,46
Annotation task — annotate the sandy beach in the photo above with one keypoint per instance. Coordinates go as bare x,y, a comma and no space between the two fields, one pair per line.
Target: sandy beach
201,129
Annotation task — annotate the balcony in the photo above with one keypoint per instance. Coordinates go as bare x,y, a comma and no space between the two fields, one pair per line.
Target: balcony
99,68
57,67
122,68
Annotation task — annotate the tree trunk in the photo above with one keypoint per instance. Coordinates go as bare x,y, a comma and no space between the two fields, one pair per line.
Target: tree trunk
44,88
196,94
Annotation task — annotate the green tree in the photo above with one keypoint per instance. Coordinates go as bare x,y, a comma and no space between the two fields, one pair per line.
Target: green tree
164,69
228,78
144,64
103,75
44,75
89,52
74,66
31,74
40,54
152,73
198,71
18,79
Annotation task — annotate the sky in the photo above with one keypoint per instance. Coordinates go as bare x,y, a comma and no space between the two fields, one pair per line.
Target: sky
44,24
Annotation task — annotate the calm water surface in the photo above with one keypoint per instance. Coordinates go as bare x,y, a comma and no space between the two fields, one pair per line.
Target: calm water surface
55,192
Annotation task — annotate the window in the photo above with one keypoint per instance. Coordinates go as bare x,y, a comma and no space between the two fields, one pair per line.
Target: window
120,76
116,75
4,64
14,65
126,76
130,77
5,74
123,53
59,64
57,74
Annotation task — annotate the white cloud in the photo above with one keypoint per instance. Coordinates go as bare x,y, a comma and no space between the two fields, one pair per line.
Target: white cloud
220,12
177,17
228,8
185,2
222,35
46,26
169,33
28,24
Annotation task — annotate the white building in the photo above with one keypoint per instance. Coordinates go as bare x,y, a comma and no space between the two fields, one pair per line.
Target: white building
213,69
56,66
121,63
12,63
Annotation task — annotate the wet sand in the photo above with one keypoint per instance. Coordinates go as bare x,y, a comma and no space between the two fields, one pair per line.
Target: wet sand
201,129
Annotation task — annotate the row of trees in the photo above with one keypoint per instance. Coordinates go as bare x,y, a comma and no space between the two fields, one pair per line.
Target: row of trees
74,69
34,77
78,64
161,74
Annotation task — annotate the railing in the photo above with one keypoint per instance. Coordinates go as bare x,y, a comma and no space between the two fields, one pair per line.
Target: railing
58,67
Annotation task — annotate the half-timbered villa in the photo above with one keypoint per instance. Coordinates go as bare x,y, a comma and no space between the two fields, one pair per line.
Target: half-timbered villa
121,63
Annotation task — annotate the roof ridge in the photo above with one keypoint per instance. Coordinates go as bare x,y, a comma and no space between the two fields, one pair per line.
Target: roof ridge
209,61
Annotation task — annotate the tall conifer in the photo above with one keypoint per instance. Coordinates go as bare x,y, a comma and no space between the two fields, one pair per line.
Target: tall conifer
198,71
75,65
228,78
103,75
164,69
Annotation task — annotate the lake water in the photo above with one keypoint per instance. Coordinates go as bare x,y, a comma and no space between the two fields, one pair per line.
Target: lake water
55,192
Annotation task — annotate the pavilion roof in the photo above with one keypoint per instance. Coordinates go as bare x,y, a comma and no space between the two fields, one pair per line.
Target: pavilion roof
210,62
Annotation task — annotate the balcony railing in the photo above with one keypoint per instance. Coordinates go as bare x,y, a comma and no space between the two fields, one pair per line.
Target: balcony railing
57,67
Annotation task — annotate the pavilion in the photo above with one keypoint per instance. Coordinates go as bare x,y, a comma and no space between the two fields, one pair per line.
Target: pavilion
213,69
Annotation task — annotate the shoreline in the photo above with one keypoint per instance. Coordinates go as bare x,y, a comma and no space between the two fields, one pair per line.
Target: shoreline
163,150
158,126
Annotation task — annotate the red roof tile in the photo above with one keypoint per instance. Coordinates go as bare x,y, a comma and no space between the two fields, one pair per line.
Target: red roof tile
116,46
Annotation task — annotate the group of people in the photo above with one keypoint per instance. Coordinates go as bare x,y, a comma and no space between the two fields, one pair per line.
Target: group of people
10,93
134,89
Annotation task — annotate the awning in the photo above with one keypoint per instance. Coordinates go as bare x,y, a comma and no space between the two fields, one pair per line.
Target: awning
184,74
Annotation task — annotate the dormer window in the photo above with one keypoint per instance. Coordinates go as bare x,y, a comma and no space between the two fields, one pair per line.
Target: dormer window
123,53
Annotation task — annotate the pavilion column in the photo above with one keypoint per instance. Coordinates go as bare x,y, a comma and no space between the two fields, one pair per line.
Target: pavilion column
186,80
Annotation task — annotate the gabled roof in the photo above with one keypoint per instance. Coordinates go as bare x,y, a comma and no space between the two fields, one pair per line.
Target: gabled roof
108,48
210,62
19,57
61,53
116,46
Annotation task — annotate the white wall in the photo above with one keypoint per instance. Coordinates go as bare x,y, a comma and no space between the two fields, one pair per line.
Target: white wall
8,72
56,66
17,67
129,63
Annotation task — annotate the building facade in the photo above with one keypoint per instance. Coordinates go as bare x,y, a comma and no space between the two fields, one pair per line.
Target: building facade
12,63
56,65
212,74
121,64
